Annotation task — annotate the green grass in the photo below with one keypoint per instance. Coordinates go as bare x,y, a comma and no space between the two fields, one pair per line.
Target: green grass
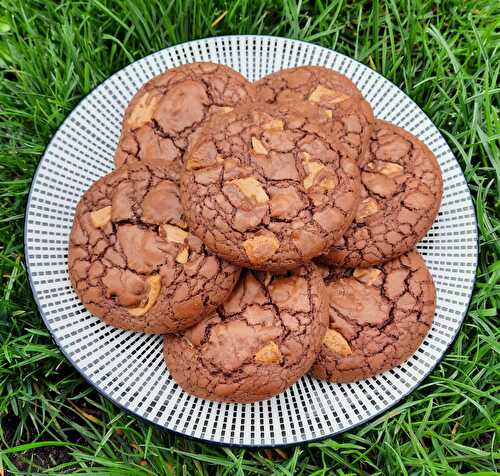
445,55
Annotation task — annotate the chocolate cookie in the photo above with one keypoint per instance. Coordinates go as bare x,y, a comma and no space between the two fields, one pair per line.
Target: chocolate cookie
131,260
338,101
379,316
258,343
165,114
268,189
400,196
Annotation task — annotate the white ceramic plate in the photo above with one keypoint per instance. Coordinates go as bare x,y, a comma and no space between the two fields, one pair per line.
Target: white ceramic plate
128,367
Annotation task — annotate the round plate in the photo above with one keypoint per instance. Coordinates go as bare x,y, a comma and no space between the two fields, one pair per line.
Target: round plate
128,367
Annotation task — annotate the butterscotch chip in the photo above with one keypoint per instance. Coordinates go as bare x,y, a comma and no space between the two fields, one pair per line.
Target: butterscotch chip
143,111
391,170
327,96
100,218
327,184
258,343
401,194
258,147
174,233
284,192
336,343
269,354
366,208
378,318
138,269
154,285
367,275
252,189
260,248
322,94
313,169
273,125
167,113
183,255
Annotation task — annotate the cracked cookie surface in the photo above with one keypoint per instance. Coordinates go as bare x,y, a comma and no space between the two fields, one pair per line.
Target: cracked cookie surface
133,262
267,188
258,343
329,95
166,114
401,190
379,316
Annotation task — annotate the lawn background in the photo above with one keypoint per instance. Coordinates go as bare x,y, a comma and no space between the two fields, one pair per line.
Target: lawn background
444,55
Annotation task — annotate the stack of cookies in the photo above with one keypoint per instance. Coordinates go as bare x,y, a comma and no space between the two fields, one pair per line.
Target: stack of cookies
266,229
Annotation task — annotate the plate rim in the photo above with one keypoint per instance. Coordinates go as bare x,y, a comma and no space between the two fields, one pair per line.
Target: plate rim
143,419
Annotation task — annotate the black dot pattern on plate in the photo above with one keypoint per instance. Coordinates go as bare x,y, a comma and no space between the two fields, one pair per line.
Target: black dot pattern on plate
128,367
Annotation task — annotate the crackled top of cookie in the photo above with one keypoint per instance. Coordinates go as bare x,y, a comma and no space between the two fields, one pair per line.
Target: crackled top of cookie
132,260
332,96
401,189
166,113
258,343
378,318
267,188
